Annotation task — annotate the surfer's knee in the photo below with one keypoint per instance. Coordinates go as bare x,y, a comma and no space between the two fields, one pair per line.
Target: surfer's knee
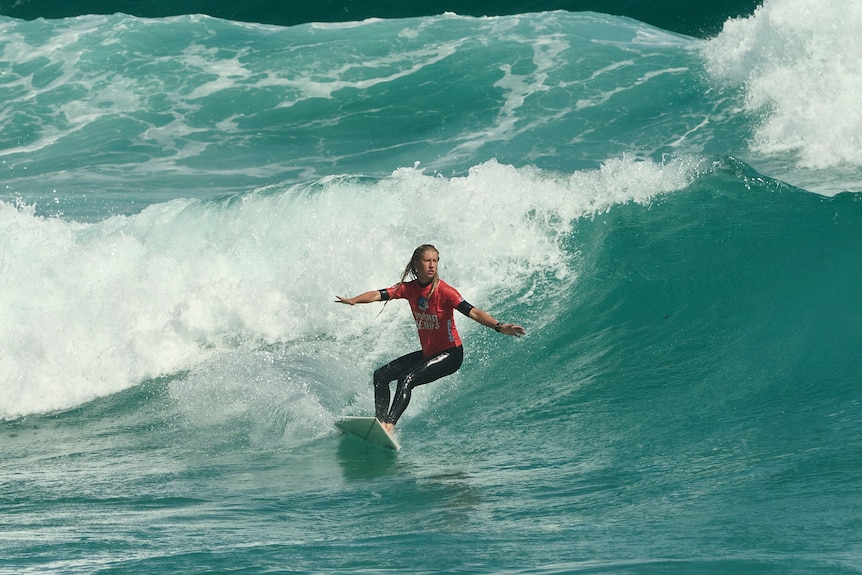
402,390
381,377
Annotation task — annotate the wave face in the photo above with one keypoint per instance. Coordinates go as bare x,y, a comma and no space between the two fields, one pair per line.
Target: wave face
183,196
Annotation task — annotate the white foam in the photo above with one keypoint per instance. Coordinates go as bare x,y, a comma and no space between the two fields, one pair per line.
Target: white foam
91,309
799,66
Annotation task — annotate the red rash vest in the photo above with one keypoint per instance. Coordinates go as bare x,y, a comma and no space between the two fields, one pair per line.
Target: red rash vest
435,318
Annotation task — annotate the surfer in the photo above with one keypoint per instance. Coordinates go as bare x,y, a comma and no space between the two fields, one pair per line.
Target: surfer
433,302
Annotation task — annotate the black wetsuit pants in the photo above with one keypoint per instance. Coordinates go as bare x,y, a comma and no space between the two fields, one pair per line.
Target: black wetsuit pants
410,370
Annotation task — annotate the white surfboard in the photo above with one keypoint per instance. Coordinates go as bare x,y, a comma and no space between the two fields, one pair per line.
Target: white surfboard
369,429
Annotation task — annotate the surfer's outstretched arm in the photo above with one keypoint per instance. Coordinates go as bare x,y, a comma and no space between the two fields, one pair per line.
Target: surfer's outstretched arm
367,297
488,320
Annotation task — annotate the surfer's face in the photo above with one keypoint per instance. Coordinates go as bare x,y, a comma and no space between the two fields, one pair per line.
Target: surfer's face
426,266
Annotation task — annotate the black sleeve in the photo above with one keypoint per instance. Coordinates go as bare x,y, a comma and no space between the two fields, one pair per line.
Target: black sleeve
384,295
464,307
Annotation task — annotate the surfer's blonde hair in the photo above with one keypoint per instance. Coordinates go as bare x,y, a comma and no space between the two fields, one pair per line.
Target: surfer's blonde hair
410,269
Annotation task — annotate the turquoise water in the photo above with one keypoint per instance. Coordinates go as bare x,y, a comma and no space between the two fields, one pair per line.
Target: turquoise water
182,198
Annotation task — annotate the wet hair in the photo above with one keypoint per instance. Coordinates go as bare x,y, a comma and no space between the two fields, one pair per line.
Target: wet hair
410,269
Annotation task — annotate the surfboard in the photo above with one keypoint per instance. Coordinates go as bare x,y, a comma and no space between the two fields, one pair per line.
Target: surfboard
369,429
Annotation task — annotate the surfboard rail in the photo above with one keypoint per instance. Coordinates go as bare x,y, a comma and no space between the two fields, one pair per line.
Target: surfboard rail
367,429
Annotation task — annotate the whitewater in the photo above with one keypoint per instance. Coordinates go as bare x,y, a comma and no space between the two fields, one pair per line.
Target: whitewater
674,220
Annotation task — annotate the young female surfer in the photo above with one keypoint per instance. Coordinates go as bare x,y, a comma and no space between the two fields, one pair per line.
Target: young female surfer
433,302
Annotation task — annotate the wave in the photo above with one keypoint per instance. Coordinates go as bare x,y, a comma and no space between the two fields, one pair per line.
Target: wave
692,249
95,308
585,114
204,107
220,102
675,15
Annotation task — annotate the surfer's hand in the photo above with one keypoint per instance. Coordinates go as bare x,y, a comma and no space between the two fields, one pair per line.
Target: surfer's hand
512,329
367,297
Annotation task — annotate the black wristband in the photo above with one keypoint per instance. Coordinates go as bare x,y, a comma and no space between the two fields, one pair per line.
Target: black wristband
498,327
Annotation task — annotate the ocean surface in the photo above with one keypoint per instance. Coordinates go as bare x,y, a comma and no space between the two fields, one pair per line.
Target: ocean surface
675,219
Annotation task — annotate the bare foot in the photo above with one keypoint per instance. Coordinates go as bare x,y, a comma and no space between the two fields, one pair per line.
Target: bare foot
387,426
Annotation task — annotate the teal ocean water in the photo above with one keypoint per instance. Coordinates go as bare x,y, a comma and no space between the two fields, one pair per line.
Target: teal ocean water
674,219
